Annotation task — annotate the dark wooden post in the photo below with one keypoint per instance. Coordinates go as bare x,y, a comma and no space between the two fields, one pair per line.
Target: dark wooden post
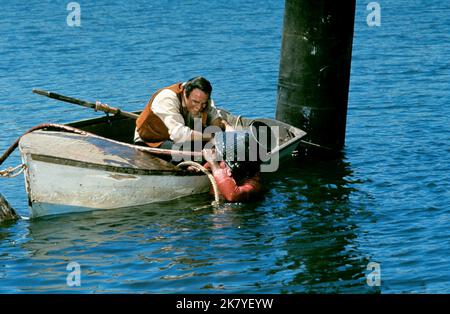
315,69
6,211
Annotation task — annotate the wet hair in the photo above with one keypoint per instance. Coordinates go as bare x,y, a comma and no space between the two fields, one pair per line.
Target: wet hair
229,145
198,82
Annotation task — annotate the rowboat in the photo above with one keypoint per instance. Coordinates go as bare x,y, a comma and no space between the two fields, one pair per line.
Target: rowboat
93,164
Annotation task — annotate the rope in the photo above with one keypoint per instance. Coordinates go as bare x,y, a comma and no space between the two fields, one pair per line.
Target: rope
196,165
9,172
237,121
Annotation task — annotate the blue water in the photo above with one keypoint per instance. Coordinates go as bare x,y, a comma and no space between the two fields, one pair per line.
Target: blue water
320,224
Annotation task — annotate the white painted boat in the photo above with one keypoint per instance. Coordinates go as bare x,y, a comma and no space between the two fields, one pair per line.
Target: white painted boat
100,168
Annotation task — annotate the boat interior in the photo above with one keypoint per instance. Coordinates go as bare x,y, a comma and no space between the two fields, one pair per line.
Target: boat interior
121,128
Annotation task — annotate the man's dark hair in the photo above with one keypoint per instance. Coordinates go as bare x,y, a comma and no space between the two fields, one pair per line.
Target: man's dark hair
198,82
233,145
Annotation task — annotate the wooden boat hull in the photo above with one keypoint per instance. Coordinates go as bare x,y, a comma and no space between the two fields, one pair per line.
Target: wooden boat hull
74,176
101,168
84,189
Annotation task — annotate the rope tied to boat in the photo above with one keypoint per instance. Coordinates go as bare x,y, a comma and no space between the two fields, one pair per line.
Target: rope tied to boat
10,172
198,166
238,119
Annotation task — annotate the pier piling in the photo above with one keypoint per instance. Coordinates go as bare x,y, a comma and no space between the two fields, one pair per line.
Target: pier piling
314,73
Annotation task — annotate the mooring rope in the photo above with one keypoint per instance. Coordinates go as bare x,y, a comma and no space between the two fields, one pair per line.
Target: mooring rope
11,172
196,165
239,118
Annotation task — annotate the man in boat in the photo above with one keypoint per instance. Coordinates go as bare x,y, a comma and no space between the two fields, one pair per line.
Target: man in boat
237,177
174,113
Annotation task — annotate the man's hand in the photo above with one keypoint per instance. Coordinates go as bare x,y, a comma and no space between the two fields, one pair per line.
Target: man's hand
228,127
193,169
222,124
210,157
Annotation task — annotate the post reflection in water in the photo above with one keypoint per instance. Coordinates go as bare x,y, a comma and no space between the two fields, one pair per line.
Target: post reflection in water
321,207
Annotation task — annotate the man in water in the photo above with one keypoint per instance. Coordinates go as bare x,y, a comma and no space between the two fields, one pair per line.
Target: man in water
238,179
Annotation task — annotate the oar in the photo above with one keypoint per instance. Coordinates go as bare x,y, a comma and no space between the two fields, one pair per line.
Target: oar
101,107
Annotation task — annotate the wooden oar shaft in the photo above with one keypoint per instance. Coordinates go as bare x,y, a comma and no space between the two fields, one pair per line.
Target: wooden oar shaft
102,107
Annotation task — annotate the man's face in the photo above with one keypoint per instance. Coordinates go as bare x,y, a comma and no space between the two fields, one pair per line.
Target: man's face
197,101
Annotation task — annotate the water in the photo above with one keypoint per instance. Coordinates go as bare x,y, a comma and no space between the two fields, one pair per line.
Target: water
320,224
